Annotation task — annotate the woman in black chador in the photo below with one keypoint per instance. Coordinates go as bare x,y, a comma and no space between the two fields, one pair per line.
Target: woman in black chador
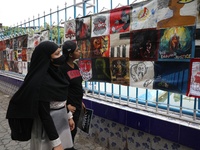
37,110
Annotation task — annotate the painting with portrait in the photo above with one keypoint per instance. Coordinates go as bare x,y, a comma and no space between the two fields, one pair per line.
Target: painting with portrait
85,48
119,68
100,69
177,43
70,30
144,45
85,67
173,13
100,46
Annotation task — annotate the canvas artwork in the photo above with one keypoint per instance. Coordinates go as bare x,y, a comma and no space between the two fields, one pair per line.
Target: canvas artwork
70,30
22,41
119,68
100,46
100,24
142,74
120,19
144,44
36,38
24,67
119,45
144,15
19,55
194,80
20,67
171,76
24,54
100,69
172,13
2,45
176,43
85,48
1,61
83,28
85,67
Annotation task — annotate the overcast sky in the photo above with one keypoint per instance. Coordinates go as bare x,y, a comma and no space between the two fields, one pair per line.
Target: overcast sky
16,11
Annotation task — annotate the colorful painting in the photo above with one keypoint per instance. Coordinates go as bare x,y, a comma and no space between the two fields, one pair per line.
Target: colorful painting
120,19
22,41
142,74
83,28
70,30
24,54
119,68
100,24
176,43
172,13
100,46
36,38
144,45
85,47
119,44
171,76
100,69
194,78
85,67
144,15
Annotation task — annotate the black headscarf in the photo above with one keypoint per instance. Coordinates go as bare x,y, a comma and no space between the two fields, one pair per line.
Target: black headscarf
43,82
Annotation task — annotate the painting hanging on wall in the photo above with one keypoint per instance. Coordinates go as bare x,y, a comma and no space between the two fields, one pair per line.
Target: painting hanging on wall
70,30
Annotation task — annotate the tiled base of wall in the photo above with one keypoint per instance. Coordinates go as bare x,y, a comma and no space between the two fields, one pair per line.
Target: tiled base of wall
115,136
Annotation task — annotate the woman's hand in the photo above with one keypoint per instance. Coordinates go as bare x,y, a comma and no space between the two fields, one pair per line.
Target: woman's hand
59,147
71,124
71,108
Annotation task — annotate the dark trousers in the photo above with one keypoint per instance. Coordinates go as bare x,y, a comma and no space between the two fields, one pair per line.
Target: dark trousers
76,116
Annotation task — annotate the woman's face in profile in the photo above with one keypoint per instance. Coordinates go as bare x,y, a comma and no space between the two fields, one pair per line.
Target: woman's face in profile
56,54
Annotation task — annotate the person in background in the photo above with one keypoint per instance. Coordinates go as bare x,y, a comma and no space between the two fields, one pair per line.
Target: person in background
37,112
72,73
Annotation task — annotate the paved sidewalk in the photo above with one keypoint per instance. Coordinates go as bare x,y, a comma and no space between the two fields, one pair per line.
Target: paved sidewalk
82,141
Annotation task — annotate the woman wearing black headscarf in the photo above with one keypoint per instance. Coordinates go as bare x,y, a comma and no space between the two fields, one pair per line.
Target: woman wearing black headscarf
40,100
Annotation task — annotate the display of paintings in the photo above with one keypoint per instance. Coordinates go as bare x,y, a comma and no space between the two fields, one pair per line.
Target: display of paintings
194,80
70,30
85,66
171,76
85,48
144,44
36,38
173,13
120,19
177,43
100,46
100,24
119,44
101,69
83,28
119,68
144,15
142,74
